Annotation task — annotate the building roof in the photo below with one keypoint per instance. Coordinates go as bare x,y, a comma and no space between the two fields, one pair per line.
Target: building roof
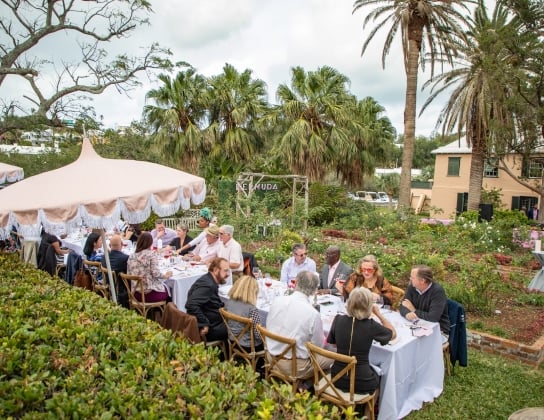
455,147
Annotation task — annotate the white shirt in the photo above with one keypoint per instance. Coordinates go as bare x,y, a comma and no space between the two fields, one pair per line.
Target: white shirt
232,252
294,317
290,269
206,251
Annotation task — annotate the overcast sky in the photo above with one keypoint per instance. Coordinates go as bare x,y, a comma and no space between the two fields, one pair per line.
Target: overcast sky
269,38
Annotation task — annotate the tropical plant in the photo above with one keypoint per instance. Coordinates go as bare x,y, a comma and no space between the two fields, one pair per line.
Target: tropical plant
237,104
316,111
478,103
419,22
371,143
178,116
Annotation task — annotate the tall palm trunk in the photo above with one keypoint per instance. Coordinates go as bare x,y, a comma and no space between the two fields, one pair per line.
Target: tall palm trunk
476,172
409,121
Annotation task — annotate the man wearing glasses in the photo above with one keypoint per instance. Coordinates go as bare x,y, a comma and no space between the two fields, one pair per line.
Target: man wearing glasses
297,263
231,250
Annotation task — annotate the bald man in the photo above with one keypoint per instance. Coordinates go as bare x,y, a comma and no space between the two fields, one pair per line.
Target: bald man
118,261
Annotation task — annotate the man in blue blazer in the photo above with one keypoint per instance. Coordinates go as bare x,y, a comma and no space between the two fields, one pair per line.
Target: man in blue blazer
332,270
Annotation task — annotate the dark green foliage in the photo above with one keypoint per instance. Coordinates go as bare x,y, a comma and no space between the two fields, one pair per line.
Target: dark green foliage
324,203
68,353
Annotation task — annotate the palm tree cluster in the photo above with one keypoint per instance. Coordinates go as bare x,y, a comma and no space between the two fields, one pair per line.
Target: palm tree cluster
496,73
225,122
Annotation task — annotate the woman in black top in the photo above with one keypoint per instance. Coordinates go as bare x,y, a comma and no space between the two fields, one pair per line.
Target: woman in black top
182,239
353,334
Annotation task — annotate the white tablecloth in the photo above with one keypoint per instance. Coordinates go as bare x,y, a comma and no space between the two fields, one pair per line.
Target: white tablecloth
76,244
181,281
412,369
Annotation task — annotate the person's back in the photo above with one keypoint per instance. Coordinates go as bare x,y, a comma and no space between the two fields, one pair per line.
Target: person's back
294,317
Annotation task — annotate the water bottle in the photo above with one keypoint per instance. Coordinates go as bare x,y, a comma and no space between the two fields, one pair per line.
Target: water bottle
159,244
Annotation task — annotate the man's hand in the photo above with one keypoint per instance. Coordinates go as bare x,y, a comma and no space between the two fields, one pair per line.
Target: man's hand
408,305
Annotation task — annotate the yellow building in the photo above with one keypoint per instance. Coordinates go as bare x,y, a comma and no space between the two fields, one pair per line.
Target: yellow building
451,180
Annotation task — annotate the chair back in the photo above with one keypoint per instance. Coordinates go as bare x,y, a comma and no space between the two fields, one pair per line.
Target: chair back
398,295
235,339
325,384
106,281
180,323
135,283
272,367
94,268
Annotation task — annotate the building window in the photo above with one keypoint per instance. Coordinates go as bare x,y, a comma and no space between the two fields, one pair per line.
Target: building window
491,168
454,165
535,168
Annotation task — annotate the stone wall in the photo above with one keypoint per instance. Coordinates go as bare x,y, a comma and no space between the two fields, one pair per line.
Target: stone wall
532,355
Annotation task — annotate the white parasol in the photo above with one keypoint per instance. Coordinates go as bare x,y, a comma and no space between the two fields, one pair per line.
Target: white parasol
10,173
97,192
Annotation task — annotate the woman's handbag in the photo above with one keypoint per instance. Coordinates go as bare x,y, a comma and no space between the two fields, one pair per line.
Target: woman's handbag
83,278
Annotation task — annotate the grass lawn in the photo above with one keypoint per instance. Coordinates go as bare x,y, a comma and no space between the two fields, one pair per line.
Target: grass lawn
490,387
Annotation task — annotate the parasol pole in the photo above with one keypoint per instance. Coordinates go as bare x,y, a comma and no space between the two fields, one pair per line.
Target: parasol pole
108,265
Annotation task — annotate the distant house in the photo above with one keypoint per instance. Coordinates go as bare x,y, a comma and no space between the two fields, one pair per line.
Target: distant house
451,179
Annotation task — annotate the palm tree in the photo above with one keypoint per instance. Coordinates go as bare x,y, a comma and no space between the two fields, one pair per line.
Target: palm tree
178,116
435,23
237,104
371,138
316,112
478,105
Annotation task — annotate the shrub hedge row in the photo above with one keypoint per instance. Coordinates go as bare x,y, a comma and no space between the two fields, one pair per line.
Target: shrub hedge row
68,353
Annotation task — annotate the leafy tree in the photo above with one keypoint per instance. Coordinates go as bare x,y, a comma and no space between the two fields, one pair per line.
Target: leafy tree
420,22
237,104
390,184
316,111
370,143
91,24
178,117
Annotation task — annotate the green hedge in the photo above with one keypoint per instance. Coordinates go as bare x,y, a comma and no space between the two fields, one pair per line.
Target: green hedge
68,353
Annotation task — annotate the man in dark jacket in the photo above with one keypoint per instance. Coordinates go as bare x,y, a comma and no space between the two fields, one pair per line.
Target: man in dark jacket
118,262
425,299
333,269
203,300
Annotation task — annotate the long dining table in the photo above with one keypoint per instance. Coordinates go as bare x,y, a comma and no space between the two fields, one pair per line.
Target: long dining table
411,367
183,277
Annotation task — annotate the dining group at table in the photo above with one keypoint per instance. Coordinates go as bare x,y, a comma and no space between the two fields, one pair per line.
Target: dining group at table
399,353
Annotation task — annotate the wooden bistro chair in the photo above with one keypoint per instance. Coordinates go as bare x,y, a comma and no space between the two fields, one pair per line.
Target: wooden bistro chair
142,306
272,369
95,267
106,281
236,349
398,295
324,384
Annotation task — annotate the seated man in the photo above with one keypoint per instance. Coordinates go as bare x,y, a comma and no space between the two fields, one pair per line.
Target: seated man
425,299
203,300
297,263
231,250
207,250
294,316
118,263
166,235
331,270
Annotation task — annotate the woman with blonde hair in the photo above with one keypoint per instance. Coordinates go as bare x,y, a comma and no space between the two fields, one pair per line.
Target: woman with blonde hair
353,334
242,301
370,276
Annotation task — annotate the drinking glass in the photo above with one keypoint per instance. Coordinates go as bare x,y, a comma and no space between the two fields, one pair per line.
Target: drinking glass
256,272
379,301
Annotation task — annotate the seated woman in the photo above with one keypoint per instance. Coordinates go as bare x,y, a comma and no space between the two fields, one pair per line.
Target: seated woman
353,334
370,276
50,252
181,240
242,301
144,263
132,232
92,245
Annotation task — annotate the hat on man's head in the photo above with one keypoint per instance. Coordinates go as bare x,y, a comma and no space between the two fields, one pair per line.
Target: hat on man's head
212,230
206,213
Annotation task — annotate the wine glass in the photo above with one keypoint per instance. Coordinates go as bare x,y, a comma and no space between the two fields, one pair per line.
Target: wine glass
379,301
256,272
293,283
268,282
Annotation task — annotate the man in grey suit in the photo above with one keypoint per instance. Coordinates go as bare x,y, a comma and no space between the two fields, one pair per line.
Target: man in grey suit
332,270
